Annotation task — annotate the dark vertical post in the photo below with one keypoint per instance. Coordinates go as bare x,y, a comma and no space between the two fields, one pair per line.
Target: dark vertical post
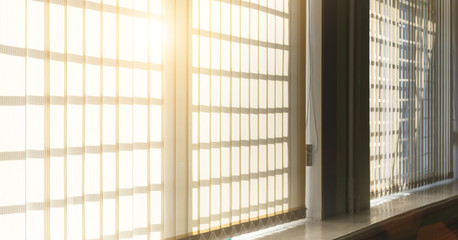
345,87
361,107
334,84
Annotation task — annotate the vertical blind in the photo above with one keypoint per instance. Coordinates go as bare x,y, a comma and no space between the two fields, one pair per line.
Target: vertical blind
240,112
80,119
409,94
87,101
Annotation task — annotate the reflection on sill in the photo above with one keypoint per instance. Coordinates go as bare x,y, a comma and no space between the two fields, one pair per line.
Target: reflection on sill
381,210
378,201
386,199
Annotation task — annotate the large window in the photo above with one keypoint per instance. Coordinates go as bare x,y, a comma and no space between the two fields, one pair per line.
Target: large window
90,140
409,94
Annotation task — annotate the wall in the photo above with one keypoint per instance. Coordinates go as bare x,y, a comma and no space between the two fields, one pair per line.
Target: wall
313,114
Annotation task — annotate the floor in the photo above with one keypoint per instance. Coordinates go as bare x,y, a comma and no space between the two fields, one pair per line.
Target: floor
381,209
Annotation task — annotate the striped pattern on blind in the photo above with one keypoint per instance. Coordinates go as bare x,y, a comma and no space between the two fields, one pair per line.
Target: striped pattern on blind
80,119
239,112
409,94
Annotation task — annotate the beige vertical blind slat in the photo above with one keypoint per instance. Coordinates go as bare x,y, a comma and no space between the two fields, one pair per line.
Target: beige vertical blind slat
257,213
83,125
65,123
410,105
18,234
385,92
210,118
101,165
438,88
239,114
148,128
46,127
390,81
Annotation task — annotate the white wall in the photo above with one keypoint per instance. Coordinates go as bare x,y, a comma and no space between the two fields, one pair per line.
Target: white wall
313,111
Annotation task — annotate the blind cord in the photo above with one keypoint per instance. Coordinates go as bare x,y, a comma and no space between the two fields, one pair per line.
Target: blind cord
309,103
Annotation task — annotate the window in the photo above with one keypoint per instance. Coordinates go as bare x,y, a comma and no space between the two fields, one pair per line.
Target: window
409,94
87,97
240,111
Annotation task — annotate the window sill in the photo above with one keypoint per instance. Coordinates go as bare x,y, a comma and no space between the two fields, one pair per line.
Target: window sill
385,214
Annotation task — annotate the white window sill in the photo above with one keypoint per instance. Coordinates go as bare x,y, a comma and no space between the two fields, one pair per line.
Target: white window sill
381,209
